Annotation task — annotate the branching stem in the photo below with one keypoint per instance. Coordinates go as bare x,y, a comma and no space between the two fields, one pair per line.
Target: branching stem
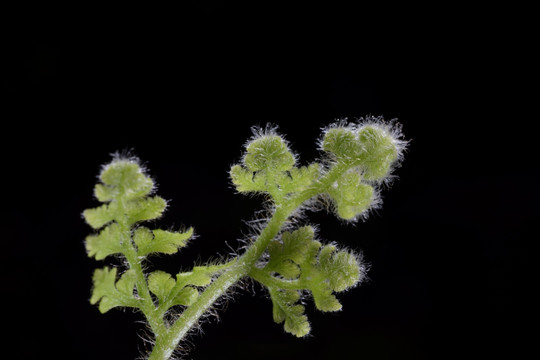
371,148
167,339
146,303
263,277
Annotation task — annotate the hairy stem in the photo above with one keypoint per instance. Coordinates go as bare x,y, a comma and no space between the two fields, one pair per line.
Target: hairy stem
264,278
166,344
166,341
146,303
162,308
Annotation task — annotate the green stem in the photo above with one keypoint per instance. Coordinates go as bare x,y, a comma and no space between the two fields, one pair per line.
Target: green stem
167,341
271,281
166,344
212,269
146,304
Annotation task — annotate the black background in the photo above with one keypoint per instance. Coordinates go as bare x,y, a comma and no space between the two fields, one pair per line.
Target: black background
180,87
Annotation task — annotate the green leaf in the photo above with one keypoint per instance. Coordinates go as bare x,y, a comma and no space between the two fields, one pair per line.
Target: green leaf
332,271
340,268
299,179
168,242
324,299
124,190
103,283
99,216
120,172
126,284
303,263
342,142
268,152
293,249
351,197
145,209
374,146
105,193
277,183
160,241
243,179
172,292
268,167
200,276
296,244
107,294
186,296
127,176
285,310
161,284
381,151
108,242
142,237
182,291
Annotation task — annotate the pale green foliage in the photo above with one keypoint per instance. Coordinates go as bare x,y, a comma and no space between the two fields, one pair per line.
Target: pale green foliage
293,265
286,310
270,153
125,189
370,150
268,167
159,241
350,195
113,293
169,292
380,151
299,262
372,147
183,290
108,242
343,143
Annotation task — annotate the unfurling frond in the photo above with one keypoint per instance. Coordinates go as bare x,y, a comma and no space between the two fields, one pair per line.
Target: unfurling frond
268,167
125,191
288,260
298,262
371,149
372,146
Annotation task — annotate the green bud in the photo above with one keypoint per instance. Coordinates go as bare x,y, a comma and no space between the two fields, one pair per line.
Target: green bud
381,151
341,268
269,152
342,143
373,146
351,197
127,175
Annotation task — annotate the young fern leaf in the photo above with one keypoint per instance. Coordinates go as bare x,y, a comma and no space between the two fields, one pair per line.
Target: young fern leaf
183,290
159,241
108,242
268,167
293,249
351,196
168,292
369,150
161,284
125,190
298,262
111,293
290,264
286,311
